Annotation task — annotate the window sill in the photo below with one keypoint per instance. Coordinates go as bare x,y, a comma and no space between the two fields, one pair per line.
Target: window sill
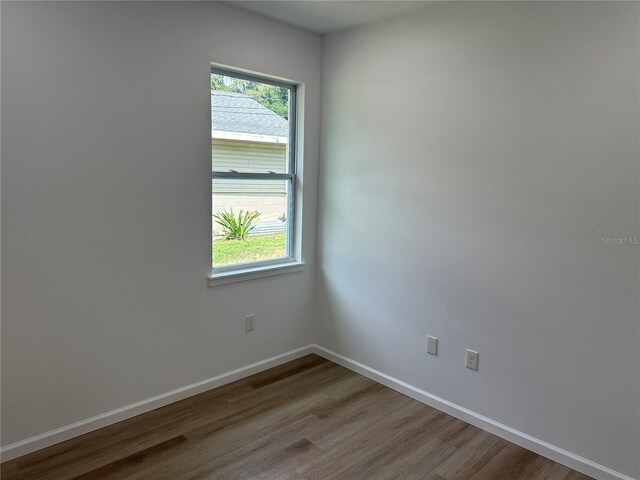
254,273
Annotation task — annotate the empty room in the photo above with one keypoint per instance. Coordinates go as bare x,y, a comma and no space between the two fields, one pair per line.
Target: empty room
330,240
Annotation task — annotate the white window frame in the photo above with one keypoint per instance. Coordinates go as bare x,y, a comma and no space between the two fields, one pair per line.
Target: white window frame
289,263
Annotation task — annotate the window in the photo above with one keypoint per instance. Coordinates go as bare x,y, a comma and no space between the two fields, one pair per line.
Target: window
253,172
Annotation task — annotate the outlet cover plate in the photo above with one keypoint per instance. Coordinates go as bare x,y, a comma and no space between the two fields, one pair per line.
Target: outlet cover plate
471,361
250,323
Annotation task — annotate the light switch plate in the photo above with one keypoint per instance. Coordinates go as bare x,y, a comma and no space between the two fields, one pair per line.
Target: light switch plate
432,345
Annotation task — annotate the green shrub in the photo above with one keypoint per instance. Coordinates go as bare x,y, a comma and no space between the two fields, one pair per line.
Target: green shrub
236,228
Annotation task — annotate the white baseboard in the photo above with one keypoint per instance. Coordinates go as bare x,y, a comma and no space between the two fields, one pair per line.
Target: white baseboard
538,446
58,435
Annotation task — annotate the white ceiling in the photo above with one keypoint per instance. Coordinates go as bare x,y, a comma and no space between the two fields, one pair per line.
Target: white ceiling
326,16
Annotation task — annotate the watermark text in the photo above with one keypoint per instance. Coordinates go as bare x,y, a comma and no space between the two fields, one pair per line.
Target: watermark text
622,240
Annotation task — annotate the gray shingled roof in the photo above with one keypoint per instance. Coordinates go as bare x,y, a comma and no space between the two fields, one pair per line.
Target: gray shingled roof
236,112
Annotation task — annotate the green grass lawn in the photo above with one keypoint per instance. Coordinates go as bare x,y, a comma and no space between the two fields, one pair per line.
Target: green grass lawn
253,249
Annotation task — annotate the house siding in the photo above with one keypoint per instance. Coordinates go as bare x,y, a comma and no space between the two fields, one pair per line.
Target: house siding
267,196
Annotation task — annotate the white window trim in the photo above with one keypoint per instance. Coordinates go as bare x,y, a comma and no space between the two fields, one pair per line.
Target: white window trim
293,263
254,273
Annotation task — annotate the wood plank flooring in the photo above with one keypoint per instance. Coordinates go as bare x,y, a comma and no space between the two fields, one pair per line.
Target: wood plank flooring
307,419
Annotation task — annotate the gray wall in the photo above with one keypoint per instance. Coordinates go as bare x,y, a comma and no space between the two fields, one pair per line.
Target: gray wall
473,157
106,198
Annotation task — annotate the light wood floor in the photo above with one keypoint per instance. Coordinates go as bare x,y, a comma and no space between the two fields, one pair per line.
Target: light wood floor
307,419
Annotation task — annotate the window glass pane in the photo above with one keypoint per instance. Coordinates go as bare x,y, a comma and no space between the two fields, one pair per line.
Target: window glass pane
249,125
249,220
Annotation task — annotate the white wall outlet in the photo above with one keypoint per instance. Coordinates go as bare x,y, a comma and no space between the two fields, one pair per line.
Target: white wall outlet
432,345
472,360
249,323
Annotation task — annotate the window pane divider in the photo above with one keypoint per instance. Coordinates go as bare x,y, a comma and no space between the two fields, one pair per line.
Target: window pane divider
253,176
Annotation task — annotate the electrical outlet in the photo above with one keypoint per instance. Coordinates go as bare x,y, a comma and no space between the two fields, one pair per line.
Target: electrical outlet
472,360
432,345
249,323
